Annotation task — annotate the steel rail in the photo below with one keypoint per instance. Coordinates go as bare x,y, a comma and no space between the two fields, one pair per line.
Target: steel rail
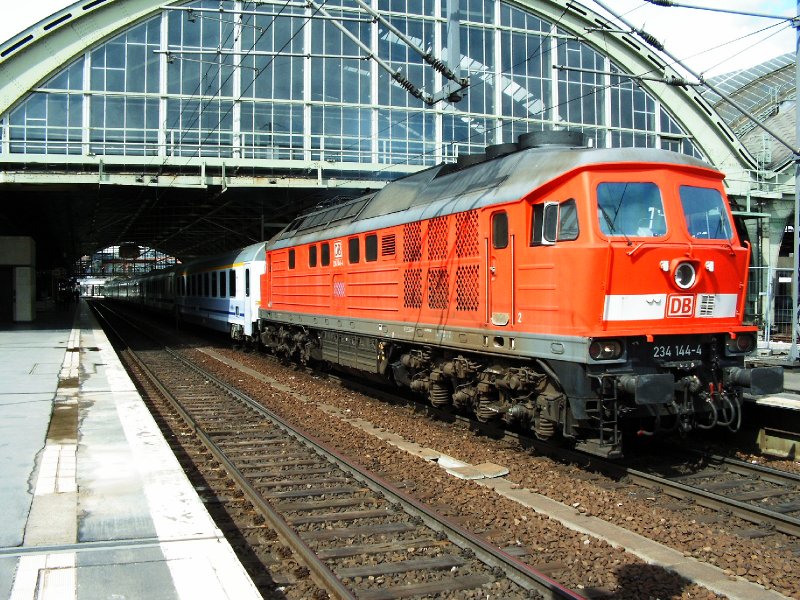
748,512
741,467
323,576
321,573
516,570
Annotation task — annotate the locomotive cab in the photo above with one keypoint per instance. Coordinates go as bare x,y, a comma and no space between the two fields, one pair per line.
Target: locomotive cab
665,342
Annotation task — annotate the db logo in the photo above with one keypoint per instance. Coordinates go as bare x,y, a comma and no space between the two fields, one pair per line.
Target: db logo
680,306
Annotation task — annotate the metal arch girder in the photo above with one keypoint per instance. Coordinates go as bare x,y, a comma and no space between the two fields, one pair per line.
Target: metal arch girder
62,38
29,58
715,139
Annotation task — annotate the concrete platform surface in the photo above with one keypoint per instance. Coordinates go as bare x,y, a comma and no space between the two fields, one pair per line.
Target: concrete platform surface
95,503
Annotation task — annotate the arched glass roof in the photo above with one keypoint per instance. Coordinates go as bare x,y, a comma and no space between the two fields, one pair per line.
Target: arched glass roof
123,260
281,81
760,89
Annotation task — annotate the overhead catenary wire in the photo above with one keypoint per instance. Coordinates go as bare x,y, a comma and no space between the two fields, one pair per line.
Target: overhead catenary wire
218,91
506,121
673,81
243,92
184,130
700,78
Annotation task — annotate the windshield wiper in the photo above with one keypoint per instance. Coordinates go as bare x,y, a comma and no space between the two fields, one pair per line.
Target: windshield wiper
611,226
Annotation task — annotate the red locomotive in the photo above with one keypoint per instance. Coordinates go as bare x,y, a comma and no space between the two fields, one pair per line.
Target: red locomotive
574,291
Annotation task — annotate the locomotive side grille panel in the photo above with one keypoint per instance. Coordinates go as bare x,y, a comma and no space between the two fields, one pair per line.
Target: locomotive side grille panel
438,287
437,238
467,282
412,288
299,290
467,234
706,305
376,290
388,245
412,242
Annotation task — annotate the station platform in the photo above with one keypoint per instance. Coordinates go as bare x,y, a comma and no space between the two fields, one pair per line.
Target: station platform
95,503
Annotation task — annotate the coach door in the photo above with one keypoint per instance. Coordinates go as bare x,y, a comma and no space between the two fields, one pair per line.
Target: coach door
500,272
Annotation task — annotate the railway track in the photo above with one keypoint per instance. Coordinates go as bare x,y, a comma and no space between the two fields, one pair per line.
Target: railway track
765,497
359,536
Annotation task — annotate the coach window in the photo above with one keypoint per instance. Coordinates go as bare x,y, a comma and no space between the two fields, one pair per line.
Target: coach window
232,283
247,282
291,258
499,230
312,255
353,250
325,254
371,248
206,284
213,285
222,291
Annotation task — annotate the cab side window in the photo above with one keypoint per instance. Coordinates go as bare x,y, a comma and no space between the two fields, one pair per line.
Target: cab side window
500,230
554,222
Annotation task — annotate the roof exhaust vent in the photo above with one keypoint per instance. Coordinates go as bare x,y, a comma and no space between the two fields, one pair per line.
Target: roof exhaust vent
498,150
467,160
552,139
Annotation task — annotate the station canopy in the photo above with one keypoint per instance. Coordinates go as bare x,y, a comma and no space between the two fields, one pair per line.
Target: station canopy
196,127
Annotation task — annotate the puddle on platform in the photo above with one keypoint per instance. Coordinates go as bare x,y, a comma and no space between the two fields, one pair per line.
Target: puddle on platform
63,424
69,382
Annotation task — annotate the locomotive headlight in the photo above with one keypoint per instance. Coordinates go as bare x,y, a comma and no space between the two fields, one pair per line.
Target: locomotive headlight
685,275
740,344
605,349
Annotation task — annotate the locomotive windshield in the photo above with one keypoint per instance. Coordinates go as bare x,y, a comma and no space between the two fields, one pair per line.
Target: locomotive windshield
706,217
631,209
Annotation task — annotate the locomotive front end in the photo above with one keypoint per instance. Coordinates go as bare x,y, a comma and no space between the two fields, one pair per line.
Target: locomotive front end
671,346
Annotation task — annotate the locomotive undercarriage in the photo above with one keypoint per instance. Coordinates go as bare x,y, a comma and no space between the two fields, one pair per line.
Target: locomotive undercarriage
592,406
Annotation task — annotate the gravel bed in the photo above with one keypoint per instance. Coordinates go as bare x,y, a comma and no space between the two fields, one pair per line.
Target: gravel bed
577,560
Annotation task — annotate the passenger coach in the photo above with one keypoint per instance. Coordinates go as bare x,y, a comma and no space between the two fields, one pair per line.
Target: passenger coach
220,292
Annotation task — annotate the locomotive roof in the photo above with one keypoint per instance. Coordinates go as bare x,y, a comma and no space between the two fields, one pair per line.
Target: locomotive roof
445,189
